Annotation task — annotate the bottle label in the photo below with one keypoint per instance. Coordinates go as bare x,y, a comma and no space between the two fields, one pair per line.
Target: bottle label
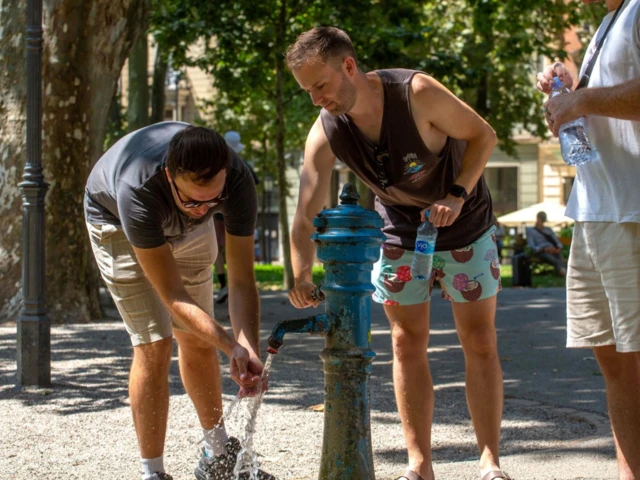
424,247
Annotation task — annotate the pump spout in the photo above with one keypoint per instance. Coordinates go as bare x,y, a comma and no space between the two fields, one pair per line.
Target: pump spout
315,325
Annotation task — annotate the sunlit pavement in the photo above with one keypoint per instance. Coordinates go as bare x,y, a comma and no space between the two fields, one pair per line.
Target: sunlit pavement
555,424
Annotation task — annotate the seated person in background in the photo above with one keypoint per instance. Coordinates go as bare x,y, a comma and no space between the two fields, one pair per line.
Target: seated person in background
545,244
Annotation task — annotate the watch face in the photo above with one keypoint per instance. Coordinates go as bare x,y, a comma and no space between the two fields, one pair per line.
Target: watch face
458,191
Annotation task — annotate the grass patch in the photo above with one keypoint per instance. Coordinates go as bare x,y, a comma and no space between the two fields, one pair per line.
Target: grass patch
269,277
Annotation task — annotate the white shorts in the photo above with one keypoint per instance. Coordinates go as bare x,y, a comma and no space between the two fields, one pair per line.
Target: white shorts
603,282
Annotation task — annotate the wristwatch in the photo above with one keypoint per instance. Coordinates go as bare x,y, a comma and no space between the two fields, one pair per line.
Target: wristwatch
458,191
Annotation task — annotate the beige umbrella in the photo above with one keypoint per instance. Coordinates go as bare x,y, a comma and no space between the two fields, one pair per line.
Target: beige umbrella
527,215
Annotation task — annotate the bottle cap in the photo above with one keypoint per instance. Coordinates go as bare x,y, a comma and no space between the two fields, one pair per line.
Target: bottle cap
557,83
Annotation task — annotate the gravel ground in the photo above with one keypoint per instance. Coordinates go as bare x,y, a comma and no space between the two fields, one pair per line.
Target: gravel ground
554,426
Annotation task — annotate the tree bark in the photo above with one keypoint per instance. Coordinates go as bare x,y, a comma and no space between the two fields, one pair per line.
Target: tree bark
138,104
85,45
160,68
283,188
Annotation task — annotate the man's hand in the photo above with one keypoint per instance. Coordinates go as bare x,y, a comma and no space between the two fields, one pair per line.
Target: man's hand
444,212
545,78
254,370
302,295
552,250
563,109
242,369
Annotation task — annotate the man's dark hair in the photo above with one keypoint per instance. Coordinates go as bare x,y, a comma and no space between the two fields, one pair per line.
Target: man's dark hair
326,43
197,153
542,216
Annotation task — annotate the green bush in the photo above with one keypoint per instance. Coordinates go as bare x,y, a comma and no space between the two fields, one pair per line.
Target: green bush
270,277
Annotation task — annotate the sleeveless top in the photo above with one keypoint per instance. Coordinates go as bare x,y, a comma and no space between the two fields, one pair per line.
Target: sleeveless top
418,178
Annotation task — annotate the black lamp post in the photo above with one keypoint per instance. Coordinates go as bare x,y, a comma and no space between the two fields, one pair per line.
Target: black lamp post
34,326
268,188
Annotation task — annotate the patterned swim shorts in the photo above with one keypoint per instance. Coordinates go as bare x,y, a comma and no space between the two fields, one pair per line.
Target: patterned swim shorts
466,275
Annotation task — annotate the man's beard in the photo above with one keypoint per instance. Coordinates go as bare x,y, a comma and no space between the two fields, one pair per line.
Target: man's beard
345,98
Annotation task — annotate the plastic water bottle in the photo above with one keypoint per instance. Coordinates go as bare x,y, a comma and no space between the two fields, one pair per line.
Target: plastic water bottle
425,247
575,146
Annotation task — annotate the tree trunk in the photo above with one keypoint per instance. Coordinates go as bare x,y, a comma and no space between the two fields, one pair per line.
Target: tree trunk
483,26
138,105
264,255
85,45
160,68
283,188
13,100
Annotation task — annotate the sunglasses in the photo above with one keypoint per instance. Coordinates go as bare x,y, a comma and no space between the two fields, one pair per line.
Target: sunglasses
189,204
381,157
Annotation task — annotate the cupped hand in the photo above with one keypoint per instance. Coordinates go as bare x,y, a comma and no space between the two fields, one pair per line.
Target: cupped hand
243,368
255,369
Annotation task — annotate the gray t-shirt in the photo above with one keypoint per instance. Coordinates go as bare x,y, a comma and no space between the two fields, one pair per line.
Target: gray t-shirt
128,187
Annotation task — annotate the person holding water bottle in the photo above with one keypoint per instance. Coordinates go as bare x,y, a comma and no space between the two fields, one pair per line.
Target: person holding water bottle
422,151
603,307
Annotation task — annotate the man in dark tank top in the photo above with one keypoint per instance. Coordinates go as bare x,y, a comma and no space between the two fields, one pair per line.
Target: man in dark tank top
418,148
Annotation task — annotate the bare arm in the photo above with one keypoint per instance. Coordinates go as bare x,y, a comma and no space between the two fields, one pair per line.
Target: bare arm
314,186
618,101
436,107
162,272
244,303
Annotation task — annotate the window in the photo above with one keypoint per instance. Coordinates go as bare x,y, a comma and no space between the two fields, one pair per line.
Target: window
503,185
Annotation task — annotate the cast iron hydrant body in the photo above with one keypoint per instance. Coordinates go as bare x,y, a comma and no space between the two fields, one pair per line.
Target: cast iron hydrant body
348,240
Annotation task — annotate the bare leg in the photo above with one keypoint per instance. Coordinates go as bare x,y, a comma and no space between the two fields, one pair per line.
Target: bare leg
412,382
149,393
477,333
621,373
200,374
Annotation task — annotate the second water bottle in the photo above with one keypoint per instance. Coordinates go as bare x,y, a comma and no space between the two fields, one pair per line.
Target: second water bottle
574,144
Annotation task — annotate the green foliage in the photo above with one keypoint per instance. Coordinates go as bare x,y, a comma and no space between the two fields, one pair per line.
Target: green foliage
485,51
269,276
566,232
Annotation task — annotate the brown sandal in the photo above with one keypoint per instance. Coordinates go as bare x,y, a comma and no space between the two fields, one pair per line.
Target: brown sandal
410,475
495,474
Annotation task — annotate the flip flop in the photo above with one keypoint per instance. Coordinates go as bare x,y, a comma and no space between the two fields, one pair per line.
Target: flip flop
496,474
410,475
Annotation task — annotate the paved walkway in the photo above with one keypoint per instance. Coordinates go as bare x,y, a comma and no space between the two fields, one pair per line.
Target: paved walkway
555,424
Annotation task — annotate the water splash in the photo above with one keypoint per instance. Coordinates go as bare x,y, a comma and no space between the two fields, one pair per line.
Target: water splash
248,462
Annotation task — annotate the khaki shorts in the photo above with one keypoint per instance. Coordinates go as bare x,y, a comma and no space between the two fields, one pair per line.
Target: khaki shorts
603,303
145,316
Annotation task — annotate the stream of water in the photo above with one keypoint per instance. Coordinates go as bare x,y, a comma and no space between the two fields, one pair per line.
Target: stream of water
248,462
